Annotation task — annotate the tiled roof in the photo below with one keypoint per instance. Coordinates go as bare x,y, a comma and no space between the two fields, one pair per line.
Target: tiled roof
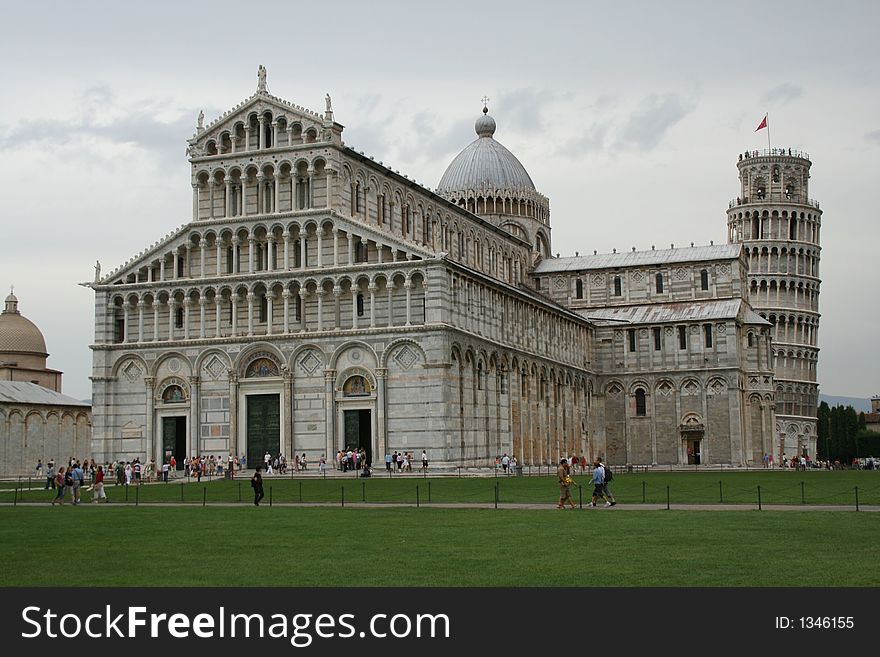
659,313
639,258
19,392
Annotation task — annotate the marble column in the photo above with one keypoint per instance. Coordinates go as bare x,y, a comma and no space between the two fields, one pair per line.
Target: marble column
202,302
250,303
194,444
285,295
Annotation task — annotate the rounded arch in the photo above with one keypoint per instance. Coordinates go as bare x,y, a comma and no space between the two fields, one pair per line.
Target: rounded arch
255,351
397,344
334,358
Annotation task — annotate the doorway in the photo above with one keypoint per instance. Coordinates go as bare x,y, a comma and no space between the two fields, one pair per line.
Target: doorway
693,451
174,440
263,431
359,432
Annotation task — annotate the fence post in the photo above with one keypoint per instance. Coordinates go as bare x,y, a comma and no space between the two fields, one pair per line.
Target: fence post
496,494
459,472
417,496
301,490
720,492
343,496
857,498
667,498
429,491
759,498
644,491
803,497
580,497
15,496
270,496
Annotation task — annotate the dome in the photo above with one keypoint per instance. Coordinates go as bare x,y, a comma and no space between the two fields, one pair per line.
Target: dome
17,333
485,164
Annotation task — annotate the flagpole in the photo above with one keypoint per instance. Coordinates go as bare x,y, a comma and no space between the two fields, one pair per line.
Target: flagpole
767,118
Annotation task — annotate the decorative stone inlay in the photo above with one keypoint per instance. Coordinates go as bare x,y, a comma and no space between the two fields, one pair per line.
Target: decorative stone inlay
643,333
560,282
690,388
724,270
309,362
406,357
637,277
131,371
614,390
174,365
598,280
665,388
669,330
618,334
355,354
214,368
679,274
717,387
721,329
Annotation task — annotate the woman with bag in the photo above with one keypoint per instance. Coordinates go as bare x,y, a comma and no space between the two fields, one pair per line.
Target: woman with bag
563,473
59,487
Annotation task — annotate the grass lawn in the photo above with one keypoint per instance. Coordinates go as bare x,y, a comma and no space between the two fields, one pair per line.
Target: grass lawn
812,487
194,546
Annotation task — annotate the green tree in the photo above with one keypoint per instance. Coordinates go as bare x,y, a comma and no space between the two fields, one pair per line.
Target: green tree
823,446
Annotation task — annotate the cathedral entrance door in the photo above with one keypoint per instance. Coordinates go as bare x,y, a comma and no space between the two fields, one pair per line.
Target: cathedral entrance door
693,451
263,432
174,439
359,432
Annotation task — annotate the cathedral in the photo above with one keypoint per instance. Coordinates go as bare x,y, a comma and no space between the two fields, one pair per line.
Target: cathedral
319,299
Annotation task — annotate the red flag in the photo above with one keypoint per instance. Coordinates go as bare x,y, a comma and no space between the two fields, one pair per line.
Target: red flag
763,123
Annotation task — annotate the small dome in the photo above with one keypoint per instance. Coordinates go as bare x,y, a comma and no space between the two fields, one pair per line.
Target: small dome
17,333
485,164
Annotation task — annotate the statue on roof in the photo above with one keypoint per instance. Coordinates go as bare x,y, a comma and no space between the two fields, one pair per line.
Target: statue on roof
97,271
261,79
201,124
327,101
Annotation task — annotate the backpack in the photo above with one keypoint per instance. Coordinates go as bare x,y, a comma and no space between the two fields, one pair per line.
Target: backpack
608,474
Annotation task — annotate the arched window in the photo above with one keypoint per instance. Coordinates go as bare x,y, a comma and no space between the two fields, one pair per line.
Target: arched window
299,309
658,283
360,305
178,318
264,308
704,280
641,406
751,339
579,289
617,286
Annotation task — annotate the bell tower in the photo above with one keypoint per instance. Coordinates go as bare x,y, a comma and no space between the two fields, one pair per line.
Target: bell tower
779,225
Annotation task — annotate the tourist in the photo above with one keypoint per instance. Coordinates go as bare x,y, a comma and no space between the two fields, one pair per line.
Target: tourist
302,462
598,481
322,465
607,476
563,474
269,470
505,462
78,478
257,485
388,462
583,463
50,475
98,489
424,461
399,461
230,463
59,486
39,467
165,471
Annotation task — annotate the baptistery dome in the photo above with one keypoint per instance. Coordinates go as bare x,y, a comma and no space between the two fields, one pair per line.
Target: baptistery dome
18,334
485,164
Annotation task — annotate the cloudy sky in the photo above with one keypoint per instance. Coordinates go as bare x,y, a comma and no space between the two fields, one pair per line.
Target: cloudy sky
627,115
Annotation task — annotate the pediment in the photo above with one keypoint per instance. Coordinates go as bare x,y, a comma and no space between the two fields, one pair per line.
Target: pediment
215,138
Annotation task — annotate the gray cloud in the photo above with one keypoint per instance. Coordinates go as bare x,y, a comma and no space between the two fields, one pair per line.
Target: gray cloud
783,93
656,114
592,140
520,109
873,136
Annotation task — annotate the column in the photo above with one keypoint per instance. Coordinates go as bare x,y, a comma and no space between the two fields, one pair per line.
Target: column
270,248
262,141
251,249
389,287
320,295
195,208
211,185
202,302
285,295
335,247
250,302
187,264
274,125
233,300
229,192
380,248
125,322
336,309
381,446
354,309
319,232
233,413
162,269
286,237
154,443
302,249
287,445
247,137
218,300
329,415
372,289
194,446
310,199
202,247
171,310
276,188
219,250
174,265
302,306
140,308
186,304
407,285
235,255
350,249
239,195
270,303
155,321
261,192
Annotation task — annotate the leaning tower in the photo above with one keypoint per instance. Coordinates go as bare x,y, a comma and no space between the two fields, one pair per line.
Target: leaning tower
779,226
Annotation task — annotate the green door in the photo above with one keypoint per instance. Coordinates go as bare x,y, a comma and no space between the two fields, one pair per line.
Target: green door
358,432
174,440
263,428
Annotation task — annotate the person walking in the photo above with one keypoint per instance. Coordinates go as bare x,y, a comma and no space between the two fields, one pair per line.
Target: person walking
607,476
59,487
257,485
424,461
563,473
98,488
598,482
50,475
78,478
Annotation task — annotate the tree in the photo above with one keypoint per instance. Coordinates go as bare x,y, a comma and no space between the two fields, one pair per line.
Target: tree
823,444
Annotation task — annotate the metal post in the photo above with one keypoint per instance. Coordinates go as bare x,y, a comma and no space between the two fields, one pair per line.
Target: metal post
270,496
343,496
759,498
720,492
204,495
644,492
15,496
857,498
459,471
429,491
417,496
496,494
580,497
301,490
667,498
803,497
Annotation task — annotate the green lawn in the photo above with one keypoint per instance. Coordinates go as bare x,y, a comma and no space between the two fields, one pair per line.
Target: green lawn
684,487
290,546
